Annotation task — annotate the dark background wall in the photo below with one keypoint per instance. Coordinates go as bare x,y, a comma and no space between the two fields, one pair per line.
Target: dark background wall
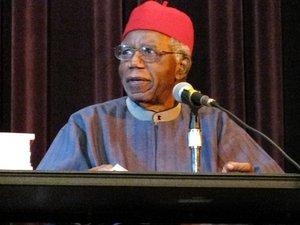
291,70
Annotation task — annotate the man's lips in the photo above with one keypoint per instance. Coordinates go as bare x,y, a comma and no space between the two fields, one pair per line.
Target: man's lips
135,79
137,84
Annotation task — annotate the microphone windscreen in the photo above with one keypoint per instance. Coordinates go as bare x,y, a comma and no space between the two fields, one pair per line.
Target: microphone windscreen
178,88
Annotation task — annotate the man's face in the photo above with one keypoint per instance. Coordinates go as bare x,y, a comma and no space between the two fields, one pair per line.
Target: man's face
149,83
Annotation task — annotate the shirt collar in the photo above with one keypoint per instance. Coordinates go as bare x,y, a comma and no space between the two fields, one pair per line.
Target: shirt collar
146,115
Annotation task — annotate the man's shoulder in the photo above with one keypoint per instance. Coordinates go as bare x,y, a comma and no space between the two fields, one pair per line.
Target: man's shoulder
117,105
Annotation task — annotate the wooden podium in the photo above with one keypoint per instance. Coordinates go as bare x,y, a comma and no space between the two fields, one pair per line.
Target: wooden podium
39,196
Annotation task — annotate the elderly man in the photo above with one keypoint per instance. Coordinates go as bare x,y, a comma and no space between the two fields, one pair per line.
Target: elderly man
147,130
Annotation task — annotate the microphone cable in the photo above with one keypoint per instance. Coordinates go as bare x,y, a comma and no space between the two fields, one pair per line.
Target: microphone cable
246,126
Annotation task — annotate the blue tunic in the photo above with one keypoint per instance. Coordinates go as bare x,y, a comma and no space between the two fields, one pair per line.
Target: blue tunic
119,131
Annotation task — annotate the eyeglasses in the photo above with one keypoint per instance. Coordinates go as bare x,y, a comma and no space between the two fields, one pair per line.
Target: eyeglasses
149,54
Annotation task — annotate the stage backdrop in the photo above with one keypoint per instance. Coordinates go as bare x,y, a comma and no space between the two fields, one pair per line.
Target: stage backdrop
57,57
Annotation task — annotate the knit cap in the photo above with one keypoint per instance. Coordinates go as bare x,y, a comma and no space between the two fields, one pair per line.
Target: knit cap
152,15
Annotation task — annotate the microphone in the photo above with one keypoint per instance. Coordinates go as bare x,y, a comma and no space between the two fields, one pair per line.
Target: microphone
185,93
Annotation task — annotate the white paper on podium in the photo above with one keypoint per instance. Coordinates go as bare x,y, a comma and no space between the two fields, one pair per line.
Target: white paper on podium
15,150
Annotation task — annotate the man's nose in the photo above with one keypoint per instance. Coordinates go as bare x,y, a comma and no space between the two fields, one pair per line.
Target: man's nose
137,58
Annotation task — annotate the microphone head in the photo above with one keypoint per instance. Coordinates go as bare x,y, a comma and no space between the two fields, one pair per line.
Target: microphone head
178,88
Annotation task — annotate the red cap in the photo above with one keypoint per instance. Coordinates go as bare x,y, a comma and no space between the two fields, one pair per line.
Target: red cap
154,16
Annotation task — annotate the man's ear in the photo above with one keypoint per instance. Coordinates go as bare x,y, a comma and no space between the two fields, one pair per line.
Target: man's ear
183,68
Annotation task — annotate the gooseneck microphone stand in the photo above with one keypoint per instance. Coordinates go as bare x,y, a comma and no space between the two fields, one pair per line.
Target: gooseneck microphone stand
195,139
194,133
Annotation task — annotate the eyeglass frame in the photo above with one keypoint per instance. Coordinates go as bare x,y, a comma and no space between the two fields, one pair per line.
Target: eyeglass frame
134,50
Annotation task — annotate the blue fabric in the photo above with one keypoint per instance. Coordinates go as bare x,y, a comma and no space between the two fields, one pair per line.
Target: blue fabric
108,133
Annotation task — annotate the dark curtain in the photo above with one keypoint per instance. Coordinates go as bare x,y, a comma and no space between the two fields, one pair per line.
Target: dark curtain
57,57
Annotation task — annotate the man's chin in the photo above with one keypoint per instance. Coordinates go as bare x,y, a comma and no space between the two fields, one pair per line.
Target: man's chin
140,98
